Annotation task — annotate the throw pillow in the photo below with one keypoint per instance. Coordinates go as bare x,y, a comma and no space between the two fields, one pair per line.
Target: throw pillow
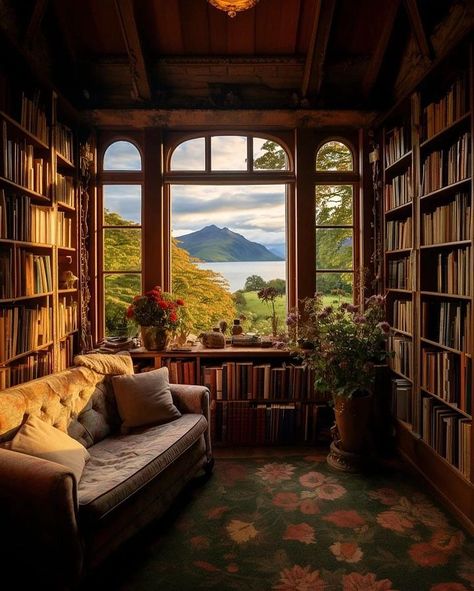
37,438
144,398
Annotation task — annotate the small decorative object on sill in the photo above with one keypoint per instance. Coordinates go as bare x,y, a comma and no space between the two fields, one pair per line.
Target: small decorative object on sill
154,338
237,327
115,344
213,339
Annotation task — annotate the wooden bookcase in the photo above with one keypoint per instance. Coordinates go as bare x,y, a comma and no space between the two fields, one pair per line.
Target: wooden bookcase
258,395
429,275
38,234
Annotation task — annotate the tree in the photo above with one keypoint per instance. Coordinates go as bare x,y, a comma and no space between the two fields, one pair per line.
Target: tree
279,285
254,283
273,159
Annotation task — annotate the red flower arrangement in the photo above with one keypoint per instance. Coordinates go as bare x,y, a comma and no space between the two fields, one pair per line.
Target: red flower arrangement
156,308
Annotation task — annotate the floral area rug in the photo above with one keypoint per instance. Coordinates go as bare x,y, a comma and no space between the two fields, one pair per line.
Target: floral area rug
293,524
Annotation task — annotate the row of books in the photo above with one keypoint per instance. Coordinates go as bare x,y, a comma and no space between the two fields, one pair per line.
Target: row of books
66,353
241,422
447,323
24,329
398,234
67,316
28,368
30,273
248,381
401,399
64,141
453,272
398,191
452,106
64,230
21,167
397,144
449,222
181,371
33,117
402,349
400,273
447,166
448,433
448,376
402,315
65,189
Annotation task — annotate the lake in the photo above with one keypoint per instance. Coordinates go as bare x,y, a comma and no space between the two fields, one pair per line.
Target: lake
237,272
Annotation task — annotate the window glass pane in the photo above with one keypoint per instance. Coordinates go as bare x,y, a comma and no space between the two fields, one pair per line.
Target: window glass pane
333,248
190,155
333,156
230,242
334,205
228,152
122,249
119,292
122,205
335,287
268,155
122,156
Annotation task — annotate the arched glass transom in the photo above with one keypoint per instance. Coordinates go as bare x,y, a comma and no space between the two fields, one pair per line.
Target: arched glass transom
334,156
122,155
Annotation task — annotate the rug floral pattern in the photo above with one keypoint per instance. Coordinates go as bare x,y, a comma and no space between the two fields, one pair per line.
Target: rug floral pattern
296,525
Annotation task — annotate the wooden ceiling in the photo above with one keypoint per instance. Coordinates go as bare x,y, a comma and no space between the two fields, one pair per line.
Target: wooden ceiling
186,54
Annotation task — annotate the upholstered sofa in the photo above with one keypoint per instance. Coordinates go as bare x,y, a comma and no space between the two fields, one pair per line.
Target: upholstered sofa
57,529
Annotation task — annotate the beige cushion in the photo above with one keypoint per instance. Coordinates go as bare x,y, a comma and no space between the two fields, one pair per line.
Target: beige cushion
144,398
37,438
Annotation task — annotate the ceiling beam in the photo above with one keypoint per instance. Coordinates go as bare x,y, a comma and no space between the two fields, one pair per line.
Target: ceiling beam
314,64
417,28
241,118
390,11
36,19
140,83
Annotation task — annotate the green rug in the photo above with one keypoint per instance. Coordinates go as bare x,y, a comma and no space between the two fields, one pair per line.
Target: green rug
296,525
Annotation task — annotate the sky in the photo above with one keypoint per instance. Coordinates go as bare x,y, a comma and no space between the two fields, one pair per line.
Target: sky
255,211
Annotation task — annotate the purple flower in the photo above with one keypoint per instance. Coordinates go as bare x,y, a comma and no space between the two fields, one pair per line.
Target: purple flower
352,308
360,319
292,319
384,327
323,314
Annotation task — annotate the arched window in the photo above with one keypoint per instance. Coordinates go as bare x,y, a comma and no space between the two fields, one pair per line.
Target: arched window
228,228
122,155
334,156
335,212
120,233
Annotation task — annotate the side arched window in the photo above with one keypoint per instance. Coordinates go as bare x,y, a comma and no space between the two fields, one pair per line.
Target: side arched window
120,232
335,205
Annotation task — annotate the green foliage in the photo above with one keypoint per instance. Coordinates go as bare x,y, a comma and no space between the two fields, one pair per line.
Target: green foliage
279,285
334,155
273,159
258,313
254,283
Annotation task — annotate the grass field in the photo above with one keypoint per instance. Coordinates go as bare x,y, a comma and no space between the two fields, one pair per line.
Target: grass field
258,313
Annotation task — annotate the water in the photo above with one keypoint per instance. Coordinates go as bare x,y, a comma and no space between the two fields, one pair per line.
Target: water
237,272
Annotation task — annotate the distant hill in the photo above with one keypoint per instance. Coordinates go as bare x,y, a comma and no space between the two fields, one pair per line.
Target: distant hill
218,245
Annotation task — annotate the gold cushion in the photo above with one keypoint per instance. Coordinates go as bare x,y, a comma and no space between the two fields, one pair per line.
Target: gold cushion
144,398
37,438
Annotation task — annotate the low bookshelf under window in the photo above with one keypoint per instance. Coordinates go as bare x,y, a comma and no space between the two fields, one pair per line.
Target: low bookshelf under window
258,396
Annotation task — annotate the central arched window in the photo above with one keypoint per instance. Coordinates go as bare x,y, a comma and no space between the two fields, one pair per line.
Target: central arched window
228,201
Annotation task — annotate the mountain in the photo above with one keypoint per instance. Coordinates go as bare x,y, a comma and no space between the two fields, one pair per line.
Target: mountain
217,245
278,249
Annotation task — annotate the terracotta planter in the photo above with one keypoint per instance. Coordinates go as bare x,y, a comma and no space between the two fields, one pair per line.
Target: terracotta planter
154,338
352,420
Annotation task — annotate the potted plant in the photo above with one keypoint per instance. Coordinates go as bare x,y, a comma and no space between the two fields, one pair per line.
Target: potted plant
343,344
158,314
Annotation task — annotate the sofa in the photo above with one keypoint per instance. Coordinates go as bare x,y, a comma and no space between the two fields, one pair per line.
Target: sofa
58,526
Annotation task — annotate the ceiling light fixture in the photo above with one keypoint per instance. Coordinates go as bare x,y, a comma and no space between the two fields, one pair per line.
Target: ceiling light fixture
232,7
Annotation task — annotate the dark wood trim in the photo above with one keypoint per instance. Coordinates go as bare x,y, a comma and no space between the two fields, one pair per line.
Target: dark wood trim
417,28
370,78
140,83
210,119
36,20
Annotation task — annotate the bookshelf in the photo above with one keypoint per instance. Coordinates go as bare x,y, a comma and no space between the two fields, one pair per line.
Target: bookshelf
38,235
428,232
258,395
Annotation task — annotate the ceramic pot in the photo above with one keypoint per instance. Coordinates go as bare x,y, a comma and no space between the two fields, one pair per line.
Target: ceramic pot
352,420
154,338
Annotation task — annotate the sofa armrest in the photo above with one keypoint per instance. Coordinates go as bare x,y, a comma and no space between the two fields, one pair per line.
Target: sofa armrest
38,512
194,399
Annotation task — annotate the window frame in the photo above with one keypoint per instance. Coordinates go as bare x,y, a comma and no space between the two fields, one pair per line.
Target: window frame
338,178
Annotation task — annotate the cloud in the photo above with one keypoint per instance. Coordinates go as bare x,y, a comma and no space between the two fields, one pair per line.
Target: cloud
122,156
124,200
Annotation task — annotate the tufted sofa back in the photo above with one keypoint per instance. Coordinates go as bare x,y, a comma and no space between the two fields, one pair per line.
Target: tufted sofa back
79,401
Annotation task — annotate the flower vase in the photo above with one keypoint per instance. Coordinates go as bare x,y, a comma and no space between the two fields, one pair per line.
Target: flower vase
352,419
154,338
